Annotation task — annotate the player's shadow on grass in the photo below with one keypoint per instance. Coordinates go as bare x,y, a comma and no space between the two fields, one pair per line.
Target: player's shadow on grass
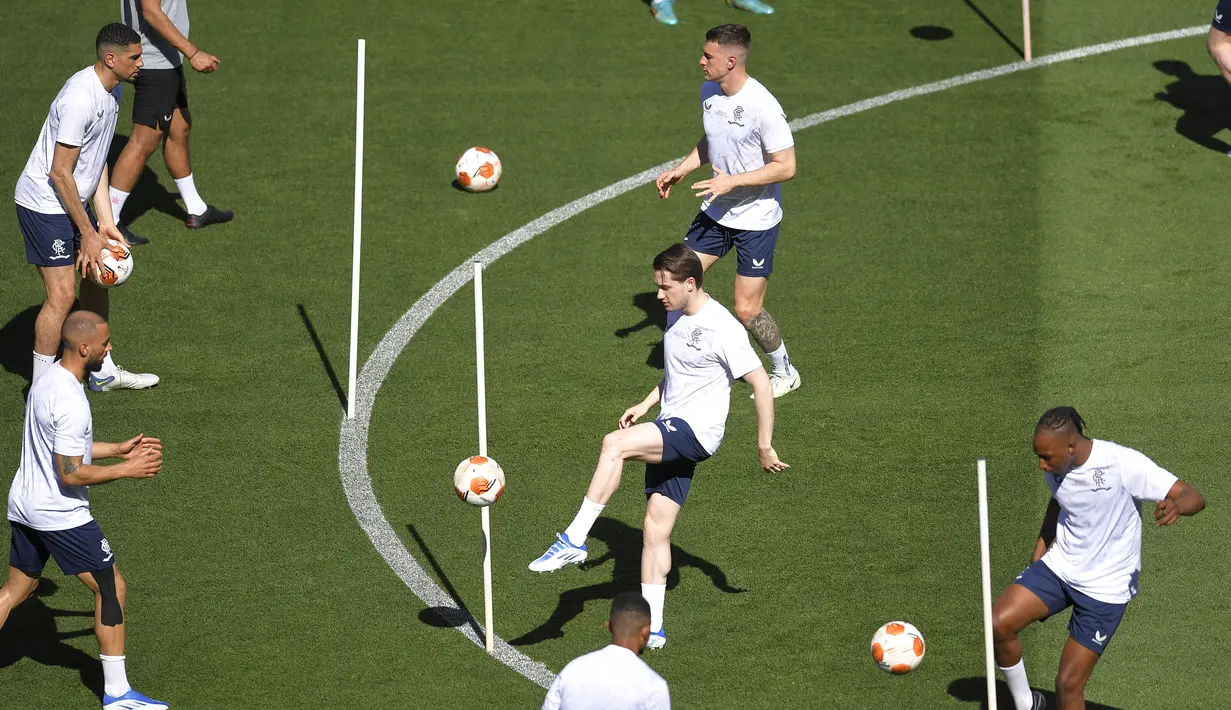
16,344
1204,99
31,632
655,317
624,552
320,351
974,690
147,194
443,617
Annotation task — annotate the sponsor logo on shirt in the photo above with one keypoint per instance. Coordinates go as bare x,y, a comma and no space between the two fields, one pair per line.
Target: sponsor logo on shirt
707,105
58,247
1099,483
737,117
694,338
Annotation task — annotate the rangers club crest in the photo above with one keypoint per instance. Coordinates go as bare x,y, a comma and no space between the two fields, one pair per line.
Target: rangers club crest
738,115
694,338
58,247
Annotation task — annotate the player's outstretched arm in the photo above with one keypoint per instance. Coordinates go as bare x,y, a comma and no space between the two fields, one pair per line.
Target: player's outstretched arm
763,401
1047,531
637,411
1182,499
145,463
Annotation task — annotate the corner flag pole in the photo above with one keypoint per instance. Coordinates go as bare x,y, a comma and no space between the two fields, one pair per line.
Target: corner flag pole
486,510
985,557
354,276
1026,28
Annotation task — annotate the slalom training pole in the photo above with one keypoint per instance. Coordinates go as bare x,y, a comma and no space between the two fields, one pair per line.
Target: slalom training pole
985,558
1026,28
485,511
354,276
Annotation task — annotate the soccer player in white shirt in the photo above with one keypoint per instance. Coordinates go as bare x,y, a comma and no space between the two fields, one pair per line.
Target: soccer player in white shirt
705,351
49,506
1088,554
749,145
614,677
67,167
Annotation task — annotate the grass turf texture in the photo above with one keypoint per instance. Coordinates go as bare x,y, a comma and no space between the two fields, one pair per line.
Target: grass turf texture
949,267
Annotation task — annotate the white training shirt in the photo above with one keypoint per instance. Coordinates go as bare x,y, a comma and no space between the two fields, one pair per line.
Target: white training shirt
703,355
611,678
740,132
155,49
1098,537
83,114
57,420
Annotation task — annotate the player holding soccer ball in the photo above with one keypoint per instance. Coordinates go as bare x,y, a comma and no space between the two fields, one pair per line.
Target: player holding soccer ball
705,351
67,167
1094,521
749,144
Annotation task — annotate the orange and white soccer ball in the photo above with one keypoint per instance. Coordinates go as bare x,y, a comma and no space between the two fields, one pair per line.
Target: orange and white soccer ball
117,265
478,170
897,647
479,480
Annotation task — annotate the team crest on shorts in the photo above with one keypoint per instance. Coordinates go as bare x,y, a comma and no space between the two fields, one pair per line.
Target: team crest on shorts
106,550
58,247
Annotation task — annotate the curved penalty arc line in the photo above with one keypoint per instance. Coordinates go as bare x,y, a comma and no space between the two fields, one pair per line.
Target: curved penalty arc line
352,447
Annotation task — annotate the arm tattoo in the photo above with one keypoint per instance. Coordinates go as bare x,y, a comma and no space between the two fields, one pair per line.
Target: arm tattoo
765,331
68,465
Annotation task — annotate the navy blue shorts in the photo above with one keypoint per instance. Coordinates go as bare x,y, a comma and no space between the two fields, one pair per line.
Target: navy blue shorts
754,250
51,239
682,452
76,550
1092,623
1222,17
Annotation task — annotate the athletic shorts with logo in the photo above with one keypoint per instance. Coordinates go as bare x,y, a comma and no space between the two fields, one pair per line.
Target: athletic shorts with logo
156,95
1222,17
1092,623
51,239
76,550
754,249
682,452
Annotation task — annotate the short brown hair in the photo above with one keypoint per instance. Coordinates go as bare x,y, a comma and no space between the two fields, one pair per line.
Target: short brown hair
730,36
681,262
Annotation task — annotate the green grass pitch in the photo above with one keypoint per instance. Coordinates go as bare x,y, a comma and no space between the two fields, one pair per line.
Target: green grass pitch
949,267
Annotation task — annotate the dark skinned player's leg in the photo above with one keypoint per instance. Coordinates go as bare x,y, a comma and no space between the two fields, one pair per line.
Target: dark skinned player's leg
1013,611
1076,664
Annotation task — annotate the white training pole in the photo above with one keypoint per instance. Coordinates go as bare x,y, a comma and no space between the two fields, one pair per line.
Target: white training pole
1026,28
354,275
985,557
486,510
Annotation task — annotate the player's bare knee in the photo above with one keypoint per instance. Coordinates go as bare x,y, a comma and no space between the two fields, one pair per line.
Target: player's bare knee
1070,682
613,445
60,297
111,613
1004,627
745,312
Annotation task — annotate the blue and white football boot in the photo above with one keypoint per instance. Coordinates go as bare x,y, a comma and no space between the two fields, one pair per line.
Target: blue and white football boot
563,552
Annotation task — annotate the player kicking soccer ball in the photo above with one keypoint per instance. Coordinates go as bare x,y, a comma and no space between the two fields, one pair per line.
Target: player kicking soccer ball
1094,521
705,350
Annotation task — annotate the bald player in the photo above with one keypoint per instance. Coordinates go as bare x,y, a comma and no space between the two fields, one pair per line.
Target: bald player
614,676
1088,555
49,506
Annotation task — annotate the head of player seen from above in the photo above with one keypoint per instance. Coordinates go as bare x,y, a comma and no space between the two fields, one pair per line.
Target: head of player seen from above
678,275
85,337
1060,441
629,622
725,49
118,48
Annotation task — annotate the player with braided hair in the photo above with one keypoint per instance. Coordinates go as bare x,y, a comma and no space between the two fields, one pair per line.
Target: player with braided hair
1088,555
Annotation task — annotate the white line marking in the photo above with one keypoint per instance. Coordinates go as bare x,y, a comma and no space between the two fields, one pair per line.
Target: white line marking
352,448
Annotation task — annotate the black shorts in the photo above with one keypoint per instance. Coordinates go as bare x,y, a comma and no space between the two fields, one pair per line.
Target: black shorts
156,95
1222,17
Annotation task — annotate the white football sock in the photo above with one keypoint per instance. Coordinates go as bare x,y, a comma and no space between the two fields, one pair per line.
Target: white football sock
108,368
118,198
115,680
188,191
41,363
1015,678
781,362
655,594
580,527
